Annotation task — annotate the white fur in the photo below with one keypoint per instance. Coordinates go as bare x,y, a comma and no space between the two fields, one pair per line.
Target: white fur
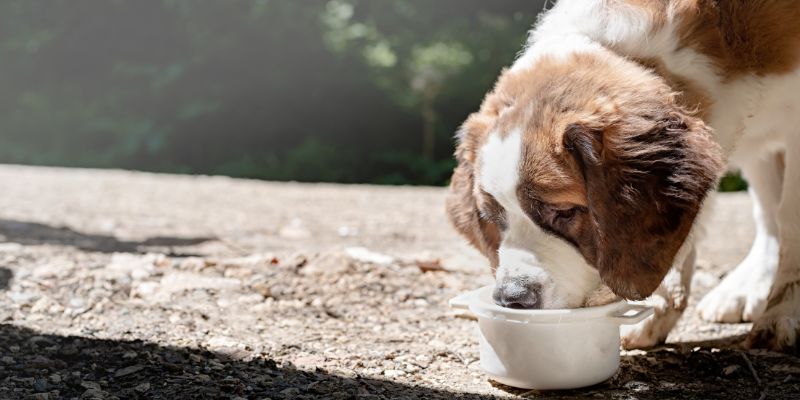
742,295
752,117
573,26
499,160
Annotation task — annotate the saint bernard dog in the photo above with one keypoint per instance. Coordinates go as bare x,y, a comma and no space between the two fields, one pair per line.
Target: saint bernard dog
586,173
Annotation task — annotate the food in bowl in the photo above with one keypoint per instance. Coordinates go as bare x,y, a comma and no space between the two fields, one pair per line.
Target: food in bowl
549,349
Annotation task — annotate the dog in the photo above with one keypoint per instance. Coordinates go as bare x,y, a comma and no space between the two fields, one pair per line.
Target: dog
585,175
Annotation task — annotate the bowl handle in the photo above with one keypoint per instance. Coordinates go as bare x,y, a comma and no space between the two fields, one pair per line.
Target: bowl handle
630,314
460,302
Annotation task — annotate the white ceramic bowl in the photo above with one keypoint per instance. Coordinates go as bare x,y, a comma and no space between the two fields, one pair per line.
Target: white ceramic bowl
549,349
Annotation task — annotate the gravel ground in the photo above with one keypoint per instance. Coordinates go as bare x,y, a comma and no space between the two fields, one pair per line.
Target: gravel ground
130,285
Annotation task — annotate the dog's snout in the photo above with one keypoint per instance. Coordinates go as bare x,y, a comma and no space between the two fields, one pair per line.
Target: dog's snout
518,293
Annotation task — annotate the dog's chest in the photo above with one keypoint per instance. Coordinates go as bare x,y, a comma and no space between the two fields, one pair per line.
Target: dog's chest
755,114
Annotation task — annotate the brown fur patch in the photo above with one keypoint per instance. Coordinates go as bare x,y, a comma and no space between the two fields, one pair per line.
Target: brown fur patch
759,37
657,10
462,208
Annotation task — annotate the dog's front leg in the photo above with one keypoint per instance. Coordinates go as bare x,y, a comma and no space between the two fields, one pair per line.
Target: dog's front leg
742,295
669,301
779,327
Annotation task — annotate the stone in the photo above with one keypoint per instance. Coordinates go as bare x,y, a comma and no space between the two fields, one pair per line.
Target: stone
128,370
393,373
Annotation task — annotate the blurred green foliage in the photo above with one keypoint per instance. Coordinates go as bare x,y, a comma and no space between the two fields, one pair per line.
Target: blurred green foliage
311,90
732,182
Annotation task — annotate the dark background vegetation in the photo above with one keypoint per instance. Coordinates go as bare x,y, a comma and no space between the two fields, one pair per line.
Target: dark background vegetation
311,90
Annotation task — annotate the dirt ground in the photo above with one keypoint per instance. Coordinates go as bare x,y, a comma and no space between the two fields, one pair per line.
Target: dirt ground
129,285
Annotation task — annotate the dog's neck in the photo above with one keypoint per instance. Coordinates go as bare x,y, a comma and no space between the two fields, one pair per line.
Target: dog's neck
646,34
587,26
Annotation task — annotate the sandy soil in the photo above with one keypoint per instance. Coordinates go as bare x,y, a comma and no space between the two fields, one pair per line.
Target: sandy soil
129,285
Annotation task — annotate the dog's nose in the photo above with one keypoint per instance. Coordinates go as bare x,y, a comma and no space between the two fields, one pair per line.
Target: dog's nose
517,293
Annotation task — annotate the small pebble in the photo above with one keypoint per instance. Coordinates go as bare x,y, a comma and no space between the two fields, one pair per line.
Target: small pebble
393,373
142,387
90,385
730,369
40,385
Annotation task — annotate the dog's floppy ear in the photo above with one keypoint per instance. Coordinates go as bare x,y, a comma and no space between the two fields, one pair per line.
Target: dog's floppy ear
646,178
462,201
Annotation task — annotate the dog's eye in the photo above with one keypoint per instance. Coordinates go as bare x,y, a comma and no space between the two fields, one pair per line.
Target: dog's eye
563,212
567,213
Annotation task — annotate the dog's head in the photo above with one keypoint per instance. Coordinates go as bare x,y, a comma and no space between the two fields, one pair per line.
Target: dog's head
577,172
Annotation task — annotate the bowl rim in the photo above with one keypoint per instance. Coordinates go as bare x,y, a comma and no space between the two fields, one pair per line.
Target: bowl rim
479,302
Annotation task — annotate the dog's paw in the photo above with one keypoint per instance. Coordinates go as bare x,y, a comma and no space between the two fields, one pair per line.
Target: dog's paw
652,331
641,336
775,333
779,328
740,297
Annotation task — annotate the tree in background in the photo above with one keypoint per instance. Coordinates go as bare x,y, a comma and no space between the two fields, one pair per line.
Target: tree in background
413,71
416,53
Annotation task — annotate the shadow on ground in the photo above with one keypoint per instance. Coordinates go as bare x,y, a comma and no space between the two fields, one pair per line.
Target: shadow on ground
66,367
32,233
717,369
